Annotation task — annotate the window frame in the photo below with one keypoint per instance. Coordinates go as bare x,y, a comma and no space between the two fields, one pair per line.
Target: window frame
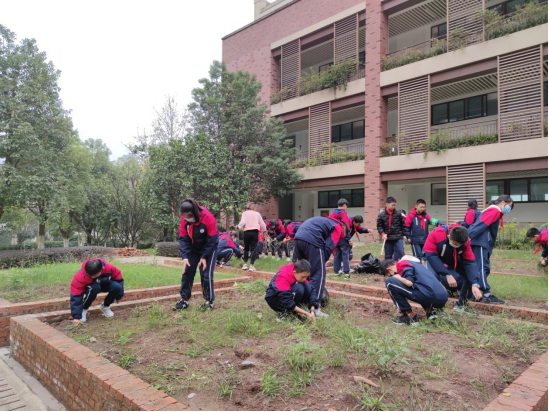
432,197
507,187
353,137
350,200
438,30
465,103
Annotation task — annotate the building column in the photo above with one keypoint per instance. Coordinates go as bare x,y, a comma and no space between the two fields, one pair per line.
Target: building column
375,116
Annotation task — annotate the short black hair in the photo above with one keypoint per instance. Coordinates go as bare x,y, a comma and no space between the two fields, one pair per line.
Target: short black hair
358,219
93,267
391,199
302,265
420,202
286,222
342,202
384,265
273,222
505,198
264,217
473,204
530,233
459,234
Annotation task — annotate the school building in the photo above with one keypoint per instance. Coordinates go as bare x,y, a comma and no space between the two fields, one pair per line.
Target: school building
465,78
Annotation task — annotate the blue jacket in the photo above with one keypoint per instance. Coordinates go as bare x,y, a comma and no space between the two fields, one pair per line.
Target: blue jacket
322,232
354,230
484,232
200,237
423,280
417,227
471,217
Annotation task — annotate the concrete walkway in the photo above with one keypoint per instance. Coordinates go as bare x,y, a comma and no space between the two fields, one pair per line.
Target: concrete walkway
20,391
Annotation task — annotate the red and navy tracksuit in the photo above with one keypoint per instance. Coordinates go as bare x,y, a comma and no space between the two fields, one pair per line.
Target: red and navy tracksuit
354,231
260,242
226,248
392,224
443,259
483,234
542,242
197,241
426,289
291,229
471,217
84,288
315,240
278,233
417,230
284,292
343,249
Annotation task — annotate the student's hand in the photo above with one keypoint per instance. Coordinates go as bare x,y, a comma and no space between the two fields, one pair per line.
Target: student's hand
311,316
405,238
285,240
477,293
451,281
185,264
202,263
543,261
384,236
76,321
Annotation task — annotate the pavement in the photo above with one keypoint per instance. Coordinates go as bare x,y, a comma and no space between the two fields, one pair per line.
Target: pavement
20,391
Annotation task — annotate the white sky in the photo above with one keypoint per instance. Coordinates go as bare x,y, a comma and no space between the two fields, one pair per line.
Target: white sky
119,58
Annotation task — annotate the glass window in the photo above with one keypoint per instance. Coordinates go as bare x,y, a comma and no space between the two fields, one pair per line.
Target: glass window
358,129
442,29
336,136
455,110
494,188
434,32
358,197
440,114
512,5
438,194
346,132
492,104
345,194
323,199
475,107
362,57
333,198
538,189
519,190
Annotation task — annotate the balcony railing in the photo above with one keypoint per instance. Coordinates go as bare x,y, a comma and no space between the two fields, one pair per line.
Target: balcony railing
336,153
481,128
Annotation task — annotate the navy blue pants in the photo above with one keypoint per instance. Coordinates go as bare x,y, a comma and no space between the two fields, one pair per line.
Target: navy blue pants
394,249
260,248
417,250
342,256
317,258
224,255
287,248
442,279
301,292
206,276
482,257
115,292
401,293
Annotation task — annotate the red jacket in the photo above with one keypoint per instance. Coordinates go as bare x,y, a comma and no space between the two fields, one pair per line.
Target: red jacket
199,237
82,280
281,285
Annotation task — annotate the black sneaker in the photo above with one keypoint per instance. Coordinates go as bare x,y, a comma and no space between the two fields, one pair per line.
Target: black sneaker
493,299
182,304
433,314
465,310
405,320
207,305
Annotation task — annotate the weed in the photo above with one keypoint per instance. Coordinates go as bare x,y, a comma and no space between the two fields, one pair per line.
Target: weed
123,337
270,384
258,286
83,339
156,316
127,359
227,384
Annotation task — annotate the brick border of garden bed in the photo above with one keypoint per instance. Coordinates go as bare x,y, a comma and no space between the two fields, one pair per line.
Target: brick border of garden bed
52,305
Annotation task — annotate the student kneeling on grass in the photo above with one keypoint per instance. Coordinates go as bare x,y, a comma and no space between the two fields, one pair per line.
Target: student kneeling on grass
539,237
94,277
410,280
289,289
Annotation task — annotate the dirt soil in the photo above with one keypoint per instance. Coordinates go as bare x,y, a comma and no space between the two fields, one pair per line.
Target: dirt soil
467,375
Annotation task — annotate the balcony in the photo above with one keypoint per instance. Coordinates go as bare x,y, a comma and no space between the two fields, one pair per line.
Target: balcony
410,42
331,154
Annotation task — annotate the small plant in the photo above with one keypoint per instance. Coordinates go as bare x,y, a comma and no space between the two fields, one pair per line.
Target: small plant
270,384
156,316
411,55
123,337
83,339
127,359
227,384
258,286
280,95
75,327
527,15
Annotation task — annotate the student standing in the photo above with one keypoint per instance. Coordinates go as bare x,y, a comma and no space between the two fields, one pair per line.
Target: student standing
417,227
483,234
539,237
277,233
472,214
251,223
291,229
355,229
198,240
343,248
391,226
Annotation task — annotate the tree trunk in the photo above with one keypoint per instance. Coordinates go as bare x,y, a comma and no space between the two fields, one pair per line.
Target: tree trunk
41,241
65,242
13,240
80,239
88,240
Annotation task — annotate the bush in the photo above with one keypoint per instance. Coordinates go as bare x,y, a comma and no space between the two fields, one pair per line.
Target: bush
168,249
21,258
32,245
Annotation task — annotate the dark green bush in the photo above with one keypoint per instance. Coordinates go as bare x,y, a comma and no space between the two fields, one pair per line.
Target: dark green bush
168,249
23,258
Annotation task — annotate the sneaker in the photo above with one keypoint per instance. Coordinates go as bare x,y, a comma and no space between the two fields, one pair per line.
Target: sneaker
226,265
274,257
207,305
182,304
465,310
493,299
245,267
252,269
433,314
352,271
405,320
288,260
347,276
106,311
340,273
84,315
277,259
320,314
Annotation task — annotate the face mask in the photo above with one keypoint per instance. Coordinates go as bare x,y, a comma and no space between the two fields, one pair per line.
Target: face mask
506,209
454,246
191,220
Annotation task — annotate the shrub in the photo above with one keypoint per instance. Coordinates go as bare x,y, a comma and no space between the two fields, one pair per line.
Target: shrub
22,258
527,15
168,249
410,55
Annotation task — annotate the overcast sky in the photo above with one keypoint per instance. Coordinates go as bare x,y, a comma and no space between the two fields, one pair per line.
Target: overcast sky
119,58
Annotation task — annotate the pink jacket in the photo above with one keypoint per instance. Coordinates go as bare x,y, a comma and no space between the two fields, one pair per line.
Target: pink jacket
251,220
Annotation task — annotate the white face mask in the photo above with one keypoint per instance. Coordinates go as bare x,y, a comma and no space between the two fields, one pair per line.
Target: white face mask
454,246
190,220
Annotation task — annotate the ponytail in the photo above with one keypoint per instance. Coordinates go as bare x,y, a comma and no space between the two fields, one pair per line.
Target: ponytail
505,198
190,206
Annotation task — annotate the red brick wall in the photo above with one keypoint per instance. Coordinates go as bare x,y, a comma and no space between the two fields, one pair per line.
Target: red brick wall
268,209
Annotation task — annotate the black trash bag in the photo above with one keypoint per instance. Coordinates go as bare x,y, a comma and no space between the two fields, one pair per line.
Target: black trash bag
368,264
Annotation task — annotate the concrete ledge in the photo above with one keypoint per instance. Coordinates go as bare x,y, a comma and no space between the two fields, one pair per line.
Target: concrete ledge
334,170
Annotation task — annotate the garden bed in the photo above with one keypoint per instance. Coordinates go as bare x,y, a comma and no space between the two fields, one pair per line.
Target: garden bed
455,363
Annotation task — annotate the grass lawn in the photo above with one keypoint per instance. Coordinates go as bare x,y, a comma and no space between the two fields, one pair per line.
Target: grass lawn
455,362
53,280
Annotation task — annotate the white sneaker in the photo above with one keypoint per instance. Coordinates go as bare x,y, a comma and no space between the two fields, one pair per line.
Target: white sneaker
320,314
106,311
84,315
288,260
252,269
273,257
277,259
245,267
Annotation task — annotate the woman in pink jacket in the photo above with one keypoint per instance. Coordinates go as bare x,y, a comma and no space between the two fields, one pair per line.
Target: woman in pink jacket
250,222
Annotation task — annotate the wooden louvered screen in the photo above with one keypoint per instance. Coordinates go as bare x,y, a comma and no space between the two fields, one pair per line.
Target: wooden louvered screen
465,24
464,182
320,131
290,68
346,39
520,78
413,114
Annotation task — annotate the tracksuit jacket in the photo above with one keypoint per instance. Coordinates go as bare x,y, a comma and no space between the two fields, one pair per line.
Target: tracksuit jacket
471,217
417,227
542,242
355,230
322,232
484,231
199,237
279,231
281,285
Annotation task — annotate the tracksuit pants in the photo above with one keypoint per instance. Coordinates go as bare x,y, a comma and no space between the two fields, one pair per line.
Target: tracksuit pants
482,257
115,292
442,279
317,258
394,249
206,276
225,255
287,248
260,248
250,245
342,256
301,292
401,293
417,250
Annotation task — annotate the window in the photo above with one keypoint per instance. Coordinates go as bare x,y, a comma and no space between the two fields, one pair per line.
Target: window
508,7
362,58
470,108
438,31
521,190
438,194
348,131
355,197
